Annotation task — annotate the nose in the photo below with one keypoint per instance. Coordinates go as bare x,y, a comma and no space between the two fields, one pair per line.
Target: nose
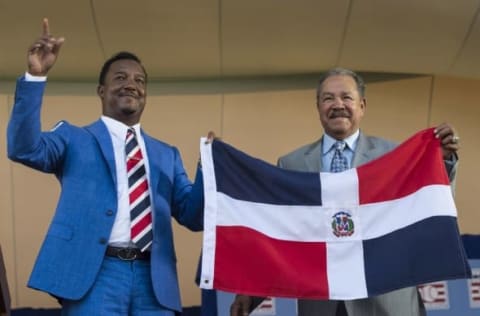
338,102
129,84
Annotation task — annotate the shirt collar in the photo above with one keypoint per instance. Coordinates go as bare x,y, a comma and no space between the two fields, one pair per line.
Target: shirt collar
351,141
117,128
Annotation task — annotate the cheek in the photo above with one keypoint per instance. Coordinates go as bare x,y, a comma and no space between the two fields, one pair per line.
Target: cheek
141,88
354,111
323,109
357,116
322,116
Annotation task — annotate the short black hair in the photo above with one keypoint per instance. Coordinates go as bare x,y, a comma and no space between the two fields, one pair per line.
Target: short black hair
342,72
114,58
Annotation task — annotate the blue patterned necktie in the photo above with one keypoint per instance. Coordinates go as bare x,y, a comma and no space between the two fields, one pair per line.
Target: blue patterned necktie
339,161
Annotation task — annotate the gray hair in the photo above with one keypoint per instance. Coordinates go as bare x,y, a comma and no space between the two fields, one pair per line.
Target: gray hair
342,72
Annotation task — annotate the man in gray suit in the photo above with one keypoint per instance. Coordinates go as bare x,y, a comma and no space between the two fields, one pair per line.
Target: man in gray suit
341,105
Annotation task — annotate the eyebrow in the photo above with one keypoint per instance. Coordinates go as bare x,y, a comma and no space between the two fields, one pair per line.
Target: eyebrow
331,93
123,72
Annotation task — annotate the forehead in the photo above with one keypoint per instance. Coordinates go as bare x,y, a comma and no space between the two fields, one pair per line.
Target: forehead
126,66
338,83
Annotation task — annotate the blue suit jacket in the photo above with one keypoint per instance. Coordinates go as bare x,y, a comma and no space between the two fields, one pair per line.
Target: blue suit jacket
82,159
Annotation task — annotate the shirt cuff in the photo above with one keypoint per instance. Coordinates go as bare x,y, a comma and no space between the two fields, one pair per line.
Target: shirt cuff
453,159
29,77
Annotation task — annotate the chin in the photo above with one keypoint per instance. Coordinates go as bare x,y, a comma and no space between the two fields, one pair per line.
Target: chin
338,132
130,108
340,127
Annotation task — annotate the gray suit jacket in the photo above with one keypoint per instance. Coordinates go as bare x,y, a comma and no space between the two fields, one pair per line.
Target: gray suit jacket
404,302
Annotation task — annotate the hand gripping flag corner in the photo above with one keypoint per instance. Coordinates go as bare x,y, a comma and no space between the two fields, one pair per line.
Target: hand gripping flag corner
386,225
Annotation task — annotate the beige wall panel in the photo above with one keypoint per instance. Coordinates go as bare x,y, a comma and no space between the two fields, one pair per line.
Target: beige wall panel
466,64
456,101
405,36
281,37
21,23
7,217
268,124
272,123
77,110
34,200
173,38
397,109
181,120
194,39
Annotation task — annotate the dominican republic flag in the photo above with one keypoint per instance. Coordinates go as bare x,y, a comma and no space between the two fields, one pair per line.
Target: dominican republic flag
389,224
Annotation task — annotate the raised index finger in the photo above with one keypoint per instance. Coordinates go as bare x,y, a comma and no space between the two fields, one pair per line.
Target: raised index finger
46,29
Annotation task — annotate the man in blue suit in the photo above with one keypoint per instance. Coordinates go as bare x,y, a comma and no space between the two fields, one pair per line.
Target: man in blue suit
88,259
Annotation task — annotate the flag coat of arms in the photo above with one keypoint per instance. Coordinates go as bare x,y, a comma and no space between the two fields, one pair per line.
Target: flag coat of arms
388,224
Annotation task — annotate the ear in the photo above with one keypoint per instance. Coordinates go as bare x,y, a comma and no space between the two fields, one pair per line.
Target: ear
363,105
318,111
100,91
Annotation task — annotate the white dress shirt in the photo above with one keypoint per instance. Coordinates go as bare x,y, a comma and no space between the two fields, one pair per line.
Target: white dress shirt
120,235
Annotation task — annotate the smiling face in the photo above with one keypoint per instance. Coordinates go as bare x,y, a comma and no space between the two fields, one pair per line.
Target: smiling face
123,92
340,106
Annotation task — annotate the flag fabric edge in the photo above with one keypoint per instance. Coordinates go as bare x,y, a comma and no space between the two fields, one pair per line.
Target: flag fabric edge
210,203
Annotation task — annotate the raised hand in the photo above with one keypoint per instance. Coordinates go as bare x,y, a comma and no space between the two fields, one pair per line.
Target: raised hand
43,53
449,139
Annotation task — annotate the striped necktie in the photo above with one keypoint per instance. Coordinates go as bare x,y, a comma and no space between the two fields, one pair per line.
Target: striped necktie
139,197
339,160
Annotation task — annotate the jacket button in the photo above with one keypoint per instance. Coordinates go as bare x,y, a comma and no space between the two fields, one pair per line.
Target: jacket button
103,241
109,213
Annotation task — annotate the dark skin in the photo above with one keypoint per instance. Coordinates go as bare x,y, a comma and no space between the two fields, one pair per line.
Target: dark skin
43,53
123,93
449,141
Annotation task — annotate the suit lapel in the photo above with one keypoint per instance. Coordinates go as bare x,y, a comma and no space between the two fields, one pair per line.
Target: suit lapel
101,134
154,159
313,155
362,152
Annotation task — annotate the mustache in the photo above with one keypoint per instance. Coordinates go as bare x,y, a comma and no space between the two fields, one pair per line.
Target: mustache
339,113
